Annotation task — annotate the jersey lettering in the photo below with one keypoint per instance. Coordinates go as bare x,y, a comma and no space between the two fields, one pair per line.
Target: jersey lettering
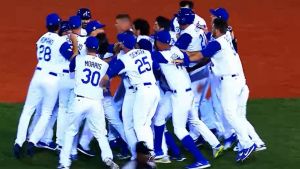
143,65
91,77
46,52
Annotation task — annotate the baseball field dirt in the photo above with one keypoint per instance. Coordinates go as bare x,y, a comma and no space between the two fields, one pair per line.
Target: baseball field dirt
265,30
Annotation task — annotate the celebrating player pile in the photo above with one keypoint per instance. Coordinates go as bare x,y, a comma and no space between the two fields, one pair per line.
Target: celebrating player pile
165,77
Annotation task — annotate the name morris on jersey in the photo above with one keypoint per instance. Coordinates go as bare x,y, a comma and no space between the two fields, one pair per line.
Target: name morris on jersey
93,64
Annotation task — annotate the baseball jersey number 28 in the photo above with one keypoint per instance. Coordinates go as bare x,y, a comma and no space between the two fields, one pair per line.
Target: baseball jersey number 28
92,77
46,50
143,65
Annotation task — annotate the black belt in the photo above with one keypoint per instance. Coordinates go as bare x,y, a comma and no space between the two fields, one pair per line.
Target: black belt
234,75
175,91
80,96
145,84
50,73
131,87
65,71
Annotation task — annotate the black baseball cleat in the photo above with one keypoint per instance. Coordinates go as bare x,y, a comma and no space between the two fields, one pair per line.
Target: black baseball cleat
17,151
30,149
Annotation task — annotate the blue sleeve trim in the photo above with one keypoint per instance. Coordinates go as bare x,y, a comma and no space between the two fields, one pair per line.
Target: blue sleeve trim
186,59
183,41
66,50
211,49
115,68
72,64
158,57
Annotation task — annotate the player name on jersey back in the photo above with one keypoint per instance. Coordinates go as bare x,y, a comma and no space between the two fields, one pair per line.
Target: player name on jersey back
92,64
138,66
89,71
48,54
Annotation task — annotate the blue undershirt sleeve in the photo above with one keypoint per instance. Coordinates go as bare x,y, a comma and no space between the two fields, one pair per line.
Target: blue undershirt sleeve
211,49
115,68
183,41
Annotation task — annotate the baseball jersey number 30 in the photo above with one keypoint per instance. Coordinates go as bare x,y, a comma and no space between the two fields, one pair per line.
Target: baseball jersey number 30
143,65
92,77
47,52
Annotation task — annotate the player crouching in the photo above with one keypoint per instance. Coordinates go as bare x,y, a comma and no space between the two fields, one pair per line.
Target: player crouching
89,70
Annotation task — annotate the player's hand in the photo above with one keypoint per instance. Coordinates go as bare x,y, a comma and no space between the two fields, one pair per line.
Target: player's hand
72,37
178,61
117,47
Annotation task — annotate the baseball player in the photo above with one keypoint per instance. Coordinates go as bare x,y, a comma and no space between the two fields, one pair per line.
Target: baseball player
138,68
86,16
141,29
66,84
47,142
227,68
109,108
181,93
164,109
163,23
223,14
89,70
189,40
51,51
76,29
198,21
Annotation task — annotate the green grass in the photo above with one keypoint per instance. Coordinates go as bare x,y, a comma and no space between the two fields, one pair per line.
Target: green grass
277,121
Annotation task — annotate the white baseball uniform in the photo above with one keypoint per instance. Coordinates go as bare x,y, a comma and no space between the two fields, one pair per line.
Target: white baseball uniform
138,68
226,66
193,39
182,96
87,105
43,87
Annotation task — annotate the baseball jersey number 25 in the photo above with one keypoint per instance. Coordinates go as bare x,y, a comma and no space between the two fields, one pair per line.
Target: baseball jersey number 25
92,77
143,65
46,50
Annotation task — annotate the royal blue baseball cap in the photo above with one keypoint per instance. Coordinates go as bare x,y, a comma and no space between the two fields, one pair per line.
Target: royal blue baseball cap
74,22
127,39
64,26
52,19
185,16
163,36
93,25
92,43
220,13
84,13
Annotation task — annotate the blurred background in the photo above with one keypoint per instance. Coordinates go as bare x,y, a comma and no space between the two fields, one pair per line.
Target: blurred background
266,31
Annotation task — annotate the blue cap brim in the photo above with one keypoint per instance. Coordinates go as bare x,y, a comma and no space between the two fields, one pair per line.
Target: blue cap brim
213,12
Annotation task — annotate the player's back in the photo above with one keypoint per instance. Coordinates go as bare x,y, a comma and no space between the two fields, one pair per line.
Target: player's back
176,76
196,38
89,71
226,61
48,54
138,66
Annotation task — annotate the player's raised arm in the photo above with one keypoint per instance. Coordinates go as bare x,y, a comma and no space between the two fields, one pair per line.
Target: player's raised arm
74,41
